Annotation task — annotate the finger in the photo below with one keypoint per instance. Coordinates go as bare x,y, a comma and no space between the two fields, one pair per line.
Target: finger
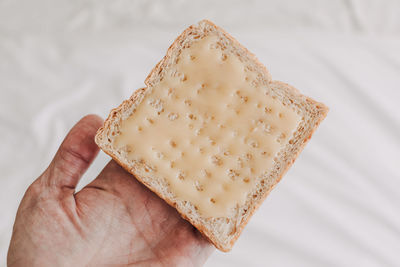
113,178
75,154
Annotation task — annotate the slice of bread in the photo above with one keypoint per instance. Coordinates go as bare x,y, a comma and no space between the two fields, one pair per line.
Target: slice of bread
212,133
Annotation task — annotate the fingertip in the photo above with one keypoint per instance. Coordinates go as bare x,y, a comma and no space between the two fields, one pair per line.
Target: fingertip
80,139
92,120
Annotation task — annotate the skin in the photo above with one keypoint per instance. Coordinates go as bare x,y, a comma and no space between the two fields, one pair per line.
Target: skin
113,221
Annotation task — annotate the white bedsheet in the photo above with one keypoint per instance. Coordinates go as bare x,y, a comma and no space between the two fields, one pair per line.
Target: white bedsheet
339,205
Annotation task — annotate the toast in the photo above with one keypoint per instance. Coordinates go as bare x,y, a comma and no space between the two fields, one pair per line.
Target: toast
211,133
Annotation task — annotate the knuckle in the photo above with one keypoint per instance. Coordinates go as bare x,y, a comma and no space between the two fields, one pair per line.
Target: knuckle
35,188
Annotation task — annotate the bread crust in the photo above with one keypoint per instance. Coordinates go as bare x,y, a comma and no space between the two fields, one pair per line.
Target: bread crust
101,137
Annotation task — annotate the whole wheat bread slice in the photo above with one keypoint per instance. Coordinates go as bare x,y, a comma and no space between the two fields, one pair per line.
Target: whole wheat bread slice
221,231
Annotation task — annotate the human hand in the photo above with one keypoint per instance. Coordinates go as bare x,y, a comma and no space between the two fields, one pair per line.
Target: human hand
114,220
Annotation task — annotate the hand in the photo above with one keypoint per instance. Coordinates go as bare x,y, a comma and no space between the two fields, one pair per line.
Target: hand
113,221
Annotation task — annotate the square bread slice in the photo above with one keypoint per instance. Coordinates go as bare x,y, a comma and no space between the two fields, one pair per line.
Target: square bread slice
212,133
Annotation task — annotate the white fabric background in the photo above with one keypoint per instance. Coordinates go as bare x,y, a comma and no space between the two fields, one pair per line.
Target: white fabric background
339,205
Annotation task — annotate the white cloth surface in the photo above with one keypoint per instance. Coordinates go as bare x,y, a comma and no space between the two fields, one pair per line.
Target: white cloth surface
339,205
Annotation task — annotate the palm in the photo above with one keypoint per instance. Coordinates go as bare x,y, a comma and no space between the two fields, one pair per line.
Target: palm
136,226
112,221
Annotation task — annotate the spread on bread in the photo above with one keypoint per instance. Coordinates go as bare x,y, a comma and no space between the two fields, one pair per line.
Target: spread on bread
208,129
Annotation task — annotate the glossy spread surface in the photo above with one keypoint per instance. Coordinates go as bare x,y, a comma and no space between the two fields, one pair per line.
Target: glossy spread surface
207,129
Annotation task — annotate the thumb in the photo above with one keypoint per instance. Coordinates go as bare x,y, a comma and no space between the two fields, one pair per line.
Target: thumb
74,156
